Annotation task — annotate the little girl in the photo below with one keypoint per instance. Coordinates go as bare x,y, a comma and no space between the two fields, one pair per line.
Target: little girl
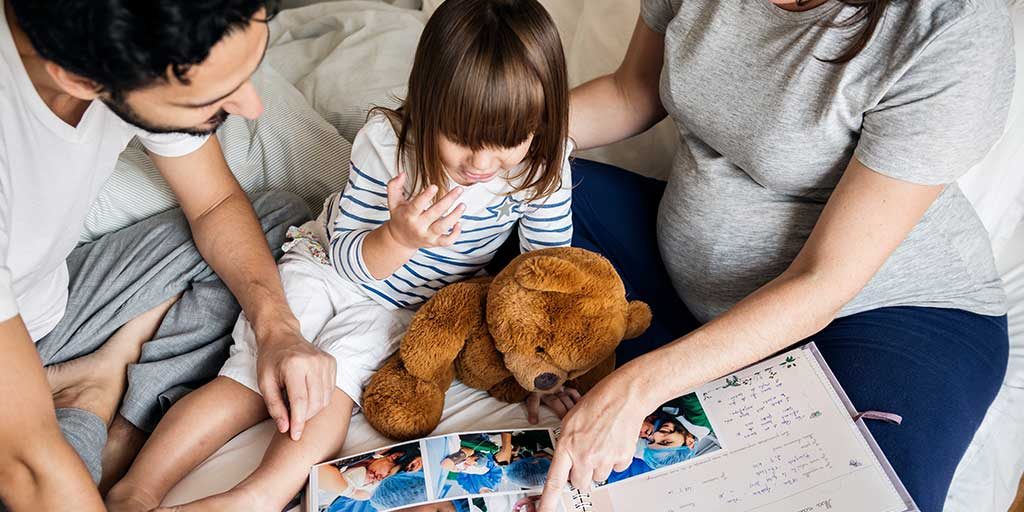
479,147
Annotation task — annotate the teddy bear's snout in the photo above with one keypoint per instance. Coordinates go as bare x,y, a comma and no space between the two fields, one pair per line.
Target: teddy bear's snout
545,381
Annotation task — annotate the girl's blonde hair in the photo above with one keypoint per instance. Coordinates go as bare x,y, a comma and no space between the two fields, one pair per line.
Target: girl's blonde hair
487,73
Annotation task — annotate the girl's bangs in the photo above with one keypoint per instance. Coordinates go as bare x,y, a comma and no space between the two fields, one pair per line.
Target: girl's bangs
499,103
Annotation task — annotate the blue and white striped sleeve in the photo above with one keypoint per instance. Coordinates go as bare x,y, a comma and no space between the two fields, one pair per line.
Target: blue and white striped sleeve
548,223
363,206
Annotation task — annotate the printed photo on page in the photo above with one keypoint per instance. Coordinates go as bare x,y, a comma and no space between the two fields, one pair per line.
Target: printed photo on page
676,432
478,464
498,503
386,479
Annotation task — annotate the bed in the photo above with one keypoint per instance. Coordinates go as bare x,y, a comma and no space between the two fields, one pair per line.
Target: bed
329,62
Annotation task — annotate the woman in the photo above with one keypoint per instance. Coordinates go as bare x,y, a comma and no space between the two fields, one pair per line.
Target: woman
814,197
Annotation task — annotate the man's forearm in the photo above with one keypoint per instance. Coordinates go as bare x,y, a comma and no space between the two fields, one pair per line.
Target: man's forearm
231,240
38,469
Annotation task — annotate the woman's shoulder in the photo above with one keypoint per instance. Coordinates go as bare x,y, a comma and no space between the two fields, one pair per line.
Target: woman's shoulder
922,22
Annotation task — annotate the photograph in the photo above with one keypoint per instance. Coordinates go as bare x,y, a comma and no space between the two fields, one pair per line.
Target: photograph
499,503
485,463
386,479
676,432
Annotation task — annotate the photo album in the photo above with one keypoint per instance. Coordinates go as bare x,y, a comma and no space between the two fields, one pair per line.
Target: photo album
777,436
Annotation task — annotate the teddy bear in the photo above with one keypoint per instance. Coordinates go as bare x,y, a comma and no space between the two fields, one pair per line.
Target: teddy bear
551,318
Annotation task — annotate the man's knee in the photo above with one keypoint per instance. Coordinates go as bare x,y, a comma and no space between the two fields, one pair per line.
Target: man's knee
280,202
277,210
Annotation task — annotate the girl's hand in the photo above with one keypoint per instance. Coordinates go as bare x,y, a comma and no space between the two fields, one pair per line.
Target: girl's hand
561,402
416,223
527,504
598,436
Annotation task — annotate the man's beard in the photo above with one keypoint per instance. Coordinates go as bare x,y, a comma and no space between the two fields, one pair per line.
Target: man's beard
128,115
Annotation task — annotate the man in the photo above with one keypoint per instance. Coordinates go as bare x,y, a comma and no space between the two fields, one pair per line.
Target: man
124,325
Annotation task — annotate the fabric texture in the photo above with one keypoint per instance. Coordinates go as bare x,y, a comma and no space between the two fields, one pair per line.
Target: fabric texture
87,435
890,107
127,273
492,212
937,368
335,315
50,173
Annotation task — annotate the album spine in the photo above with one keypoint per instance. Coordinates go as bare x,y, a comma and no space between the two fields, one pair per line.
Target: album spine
582,501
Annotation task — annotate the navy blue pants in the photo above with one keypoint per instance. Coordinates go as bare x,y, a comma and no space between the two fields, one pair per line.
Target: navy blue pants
938,368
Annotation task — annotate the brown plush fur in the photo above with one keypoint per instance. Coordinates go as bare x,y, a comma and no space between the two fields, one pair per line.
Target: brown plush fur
553,317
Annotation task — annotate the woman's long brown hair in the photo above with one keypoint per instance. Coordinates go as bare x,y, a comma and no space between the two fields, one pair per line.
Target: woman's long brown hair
487,74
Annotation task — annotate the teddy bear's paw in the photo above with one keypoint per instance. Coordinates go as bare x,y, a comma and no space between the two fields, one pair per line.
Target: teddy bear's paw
401,406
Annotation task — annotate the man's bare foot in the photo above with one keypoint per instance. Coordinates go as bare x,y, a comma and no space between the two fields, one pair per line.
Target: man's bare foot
96,382
236,499
93,383
124,441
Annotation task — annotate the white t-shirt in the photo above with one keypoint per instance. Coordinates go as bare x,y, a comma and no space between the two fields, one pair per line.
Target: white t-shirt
50,174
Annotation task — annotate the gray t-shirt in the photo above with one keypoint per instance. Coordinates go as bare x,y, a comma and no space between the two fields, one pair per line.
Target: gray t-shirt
768,129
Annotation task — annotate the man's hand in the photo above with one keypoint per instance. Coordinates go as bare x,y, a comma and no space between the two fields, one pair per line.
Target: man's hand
296,379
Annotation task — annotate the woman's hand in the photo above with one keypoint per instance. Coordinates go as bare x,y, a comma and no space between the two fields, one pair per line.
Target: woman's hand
416,223
598,436
561,402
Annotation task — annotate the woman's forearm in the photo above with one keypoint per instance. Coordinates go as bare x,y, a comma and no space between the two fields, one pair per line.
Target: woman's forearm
625,103
790,308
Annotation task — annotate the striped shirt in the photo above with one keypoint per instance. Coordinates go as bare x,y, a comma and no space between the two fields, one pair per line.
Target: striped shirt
490,216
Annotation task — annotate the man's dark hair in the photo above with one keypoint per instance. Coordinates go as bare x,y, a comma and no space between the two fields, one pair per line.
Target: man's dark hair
125,45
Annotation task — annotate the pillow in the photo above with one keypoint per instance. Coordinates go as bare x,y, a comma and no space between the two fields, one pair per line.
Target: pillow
996,185
289,147
345,57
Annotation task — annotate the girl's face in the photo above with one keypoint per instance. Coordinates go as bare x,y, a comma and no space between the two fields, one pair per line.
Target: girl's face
467,167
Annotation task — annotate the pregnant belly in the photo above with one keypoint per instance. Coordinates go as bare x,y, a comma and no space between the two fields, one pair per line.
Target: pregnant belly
722,239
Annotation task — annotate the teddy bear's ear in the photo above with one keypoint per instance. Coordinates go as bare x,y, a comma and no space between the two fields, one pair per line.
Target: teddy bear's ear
550,274
639,319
